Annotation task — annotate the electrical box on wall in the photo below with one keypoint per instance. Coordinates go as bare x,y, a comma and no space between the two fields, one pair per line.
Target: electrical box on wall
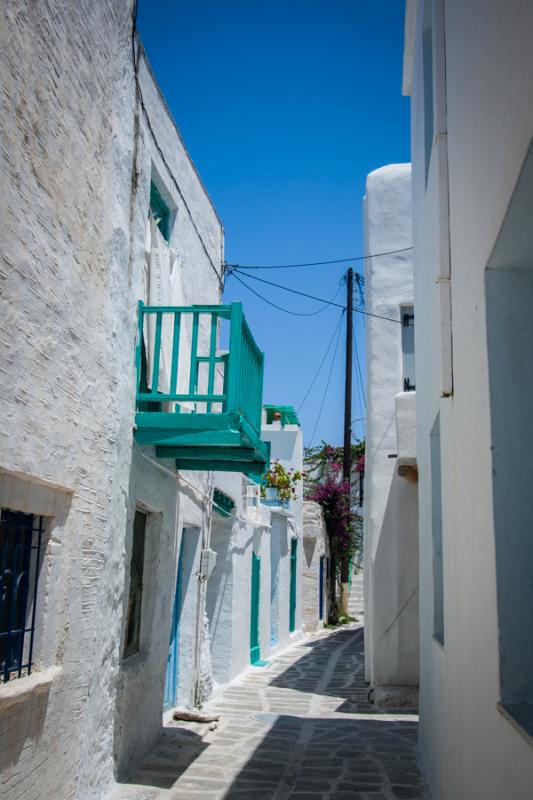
208,562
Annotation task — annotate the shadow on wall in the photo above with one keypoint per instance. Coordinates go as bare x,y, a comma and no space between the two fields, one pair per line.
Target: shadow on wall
176,749
309,546
509,296
395,582
20,725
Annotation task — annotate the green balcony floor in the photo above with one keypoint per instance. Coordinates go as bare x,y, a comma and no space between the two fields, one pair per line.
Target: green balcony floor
222,442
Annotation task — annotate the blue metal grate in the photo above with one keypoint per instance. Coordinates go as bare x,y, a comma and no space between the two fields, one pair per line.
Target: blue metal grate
20,552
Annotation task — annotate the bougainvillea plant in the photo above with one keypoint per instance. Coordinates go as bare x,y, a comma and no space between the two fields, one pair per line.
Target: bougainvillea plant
325,485
282,479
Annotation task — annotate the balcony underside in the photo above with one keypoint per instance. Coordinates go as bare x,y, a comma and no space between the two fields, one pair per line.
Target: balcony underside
222,442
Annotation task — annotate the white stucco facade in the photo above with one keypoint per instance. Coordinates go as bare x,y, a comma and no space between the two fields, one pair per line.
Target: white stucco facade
470,75
315,568
286,446
76,181
390,518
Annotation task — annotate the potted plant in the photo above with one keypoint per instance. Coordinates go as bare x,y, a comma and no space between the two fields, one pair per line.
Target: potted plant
278,485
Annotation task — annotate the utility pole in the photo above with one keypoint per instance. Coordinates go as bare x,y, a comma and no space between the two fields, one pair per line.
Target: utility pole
347,450
347,460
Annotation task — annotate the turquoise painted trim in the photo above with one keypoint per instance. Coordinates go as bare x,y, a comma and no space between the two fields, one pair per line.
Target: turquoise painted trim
160,211
240,399
175,352
171,681
193,374
157,354
292,607
212,358
139,347
255,647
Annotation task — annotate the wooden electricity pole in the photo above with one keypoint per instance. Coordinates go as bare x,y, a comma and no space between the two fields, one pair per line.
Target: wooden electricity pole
347,450
347,460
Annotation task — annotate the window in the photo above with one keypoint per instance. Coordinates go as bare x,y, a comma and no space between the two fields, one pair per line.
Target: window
20,554
160,211
408,348
133,623
436,518
509,297
427,66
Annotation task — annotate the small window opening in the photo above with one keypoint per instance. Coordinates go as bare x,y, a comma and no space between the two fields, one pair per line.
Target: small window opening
20,553
408,348
160,211
133,623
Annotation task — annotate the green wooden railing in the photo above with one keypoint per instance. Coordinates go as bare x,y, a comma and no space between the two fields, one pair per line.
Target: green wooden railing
198,378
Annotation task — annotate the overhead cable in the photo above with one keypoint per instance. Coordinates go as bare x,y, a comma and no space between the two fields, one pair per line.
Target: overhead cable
285,310
339,321
327,387
312,297
318,263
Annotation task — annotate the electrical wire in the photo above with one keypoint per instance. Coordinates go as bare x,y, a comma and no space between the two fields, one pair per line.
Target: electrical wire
358,370
321,363
287,310
317,263
234,272
327,386
158,146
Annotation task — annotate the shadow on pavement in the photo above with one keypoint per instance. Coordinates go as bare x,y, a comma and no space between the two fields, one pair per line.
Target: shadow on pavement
340,759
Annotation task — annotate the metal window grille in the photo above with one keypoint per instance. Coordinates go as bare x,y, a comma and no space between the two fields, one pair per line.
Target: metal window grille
20,553
408,349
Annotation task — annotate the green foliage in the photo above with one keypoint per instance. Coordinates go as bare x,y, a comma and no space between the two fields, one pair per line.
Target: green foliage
324,484
279,478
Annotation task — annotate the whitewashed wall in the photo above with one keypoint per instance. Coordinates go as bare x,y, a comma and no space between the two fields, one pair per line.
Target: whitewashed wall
286,446
483,122
315,546
390,519
73,242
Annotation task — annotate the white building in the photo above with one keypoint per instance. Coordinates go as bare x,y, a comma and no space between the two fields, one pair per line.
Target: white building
110,497
468,68
391,507
315,568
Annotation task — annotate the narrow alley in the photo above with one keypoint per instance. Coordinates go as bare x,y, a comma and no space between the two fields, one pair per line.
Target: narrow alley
299,728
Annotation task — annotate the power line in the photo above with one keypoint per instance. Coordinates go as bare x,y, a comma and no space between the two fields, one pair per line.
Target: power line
286,288
327,386
158,146
318,263
358,370
286,310
313,297
328,348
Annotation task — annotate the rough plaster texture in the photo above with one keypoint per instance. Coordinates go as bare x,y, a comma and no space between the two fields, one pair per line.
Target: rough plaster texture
73,146
315,546
390,519
486,123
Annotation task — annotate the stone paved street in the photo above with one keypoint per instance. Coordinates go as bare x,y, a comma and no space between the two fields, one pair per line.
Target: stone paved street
300,728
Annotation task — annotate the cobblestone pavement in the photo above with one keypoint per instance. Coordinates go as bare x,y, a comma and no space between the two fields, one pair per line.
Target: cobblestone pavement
300,728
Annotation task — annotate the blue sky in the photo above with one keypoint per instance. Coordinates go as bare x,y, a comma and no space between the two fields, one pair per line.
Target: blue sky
285,106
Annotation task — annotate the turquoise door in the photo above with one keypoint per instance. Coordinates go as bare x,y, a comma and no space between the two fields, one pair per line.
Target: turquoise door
255,650
171,682
292,608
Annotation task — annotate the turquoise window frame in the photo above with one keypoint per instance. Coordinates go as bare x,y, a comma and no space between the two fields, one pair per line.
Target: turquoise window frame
160,210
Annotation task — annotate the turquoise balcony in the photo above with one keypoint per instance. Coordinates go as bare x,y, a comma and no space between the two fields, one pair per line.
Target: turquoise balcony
196,403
